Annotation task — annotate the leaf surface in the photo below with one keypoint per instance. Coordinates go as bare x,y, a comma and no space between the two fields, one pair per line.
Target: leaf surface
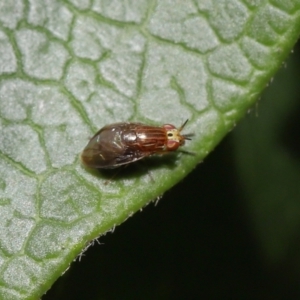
67,68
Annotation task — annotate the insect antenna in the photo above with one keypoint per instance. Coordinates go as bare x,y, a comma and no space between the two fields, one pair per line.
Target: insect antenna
182,126
188,135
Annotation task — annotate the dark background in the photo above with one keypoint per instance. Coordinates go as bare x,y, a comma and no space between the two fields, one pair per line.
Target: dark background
201,241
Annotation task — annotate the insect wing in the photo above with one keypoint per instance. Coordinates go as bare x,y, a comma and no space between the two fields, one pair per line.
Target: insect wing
107,150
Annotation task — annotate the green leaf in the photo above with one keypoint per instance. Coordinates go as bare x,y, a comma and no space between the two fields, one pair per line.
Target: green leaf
67,68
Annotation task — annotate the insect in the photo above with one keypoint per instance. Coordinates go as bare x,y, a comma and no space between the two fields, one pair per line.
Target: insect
123,143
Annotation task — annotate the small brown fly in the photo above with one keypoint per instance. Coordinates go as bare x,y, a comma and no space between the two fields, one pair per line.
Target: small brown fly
123,143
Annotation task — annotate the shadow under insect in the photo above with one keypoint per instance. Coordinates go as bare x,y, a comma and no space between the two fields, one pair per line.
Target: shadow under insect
139,168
